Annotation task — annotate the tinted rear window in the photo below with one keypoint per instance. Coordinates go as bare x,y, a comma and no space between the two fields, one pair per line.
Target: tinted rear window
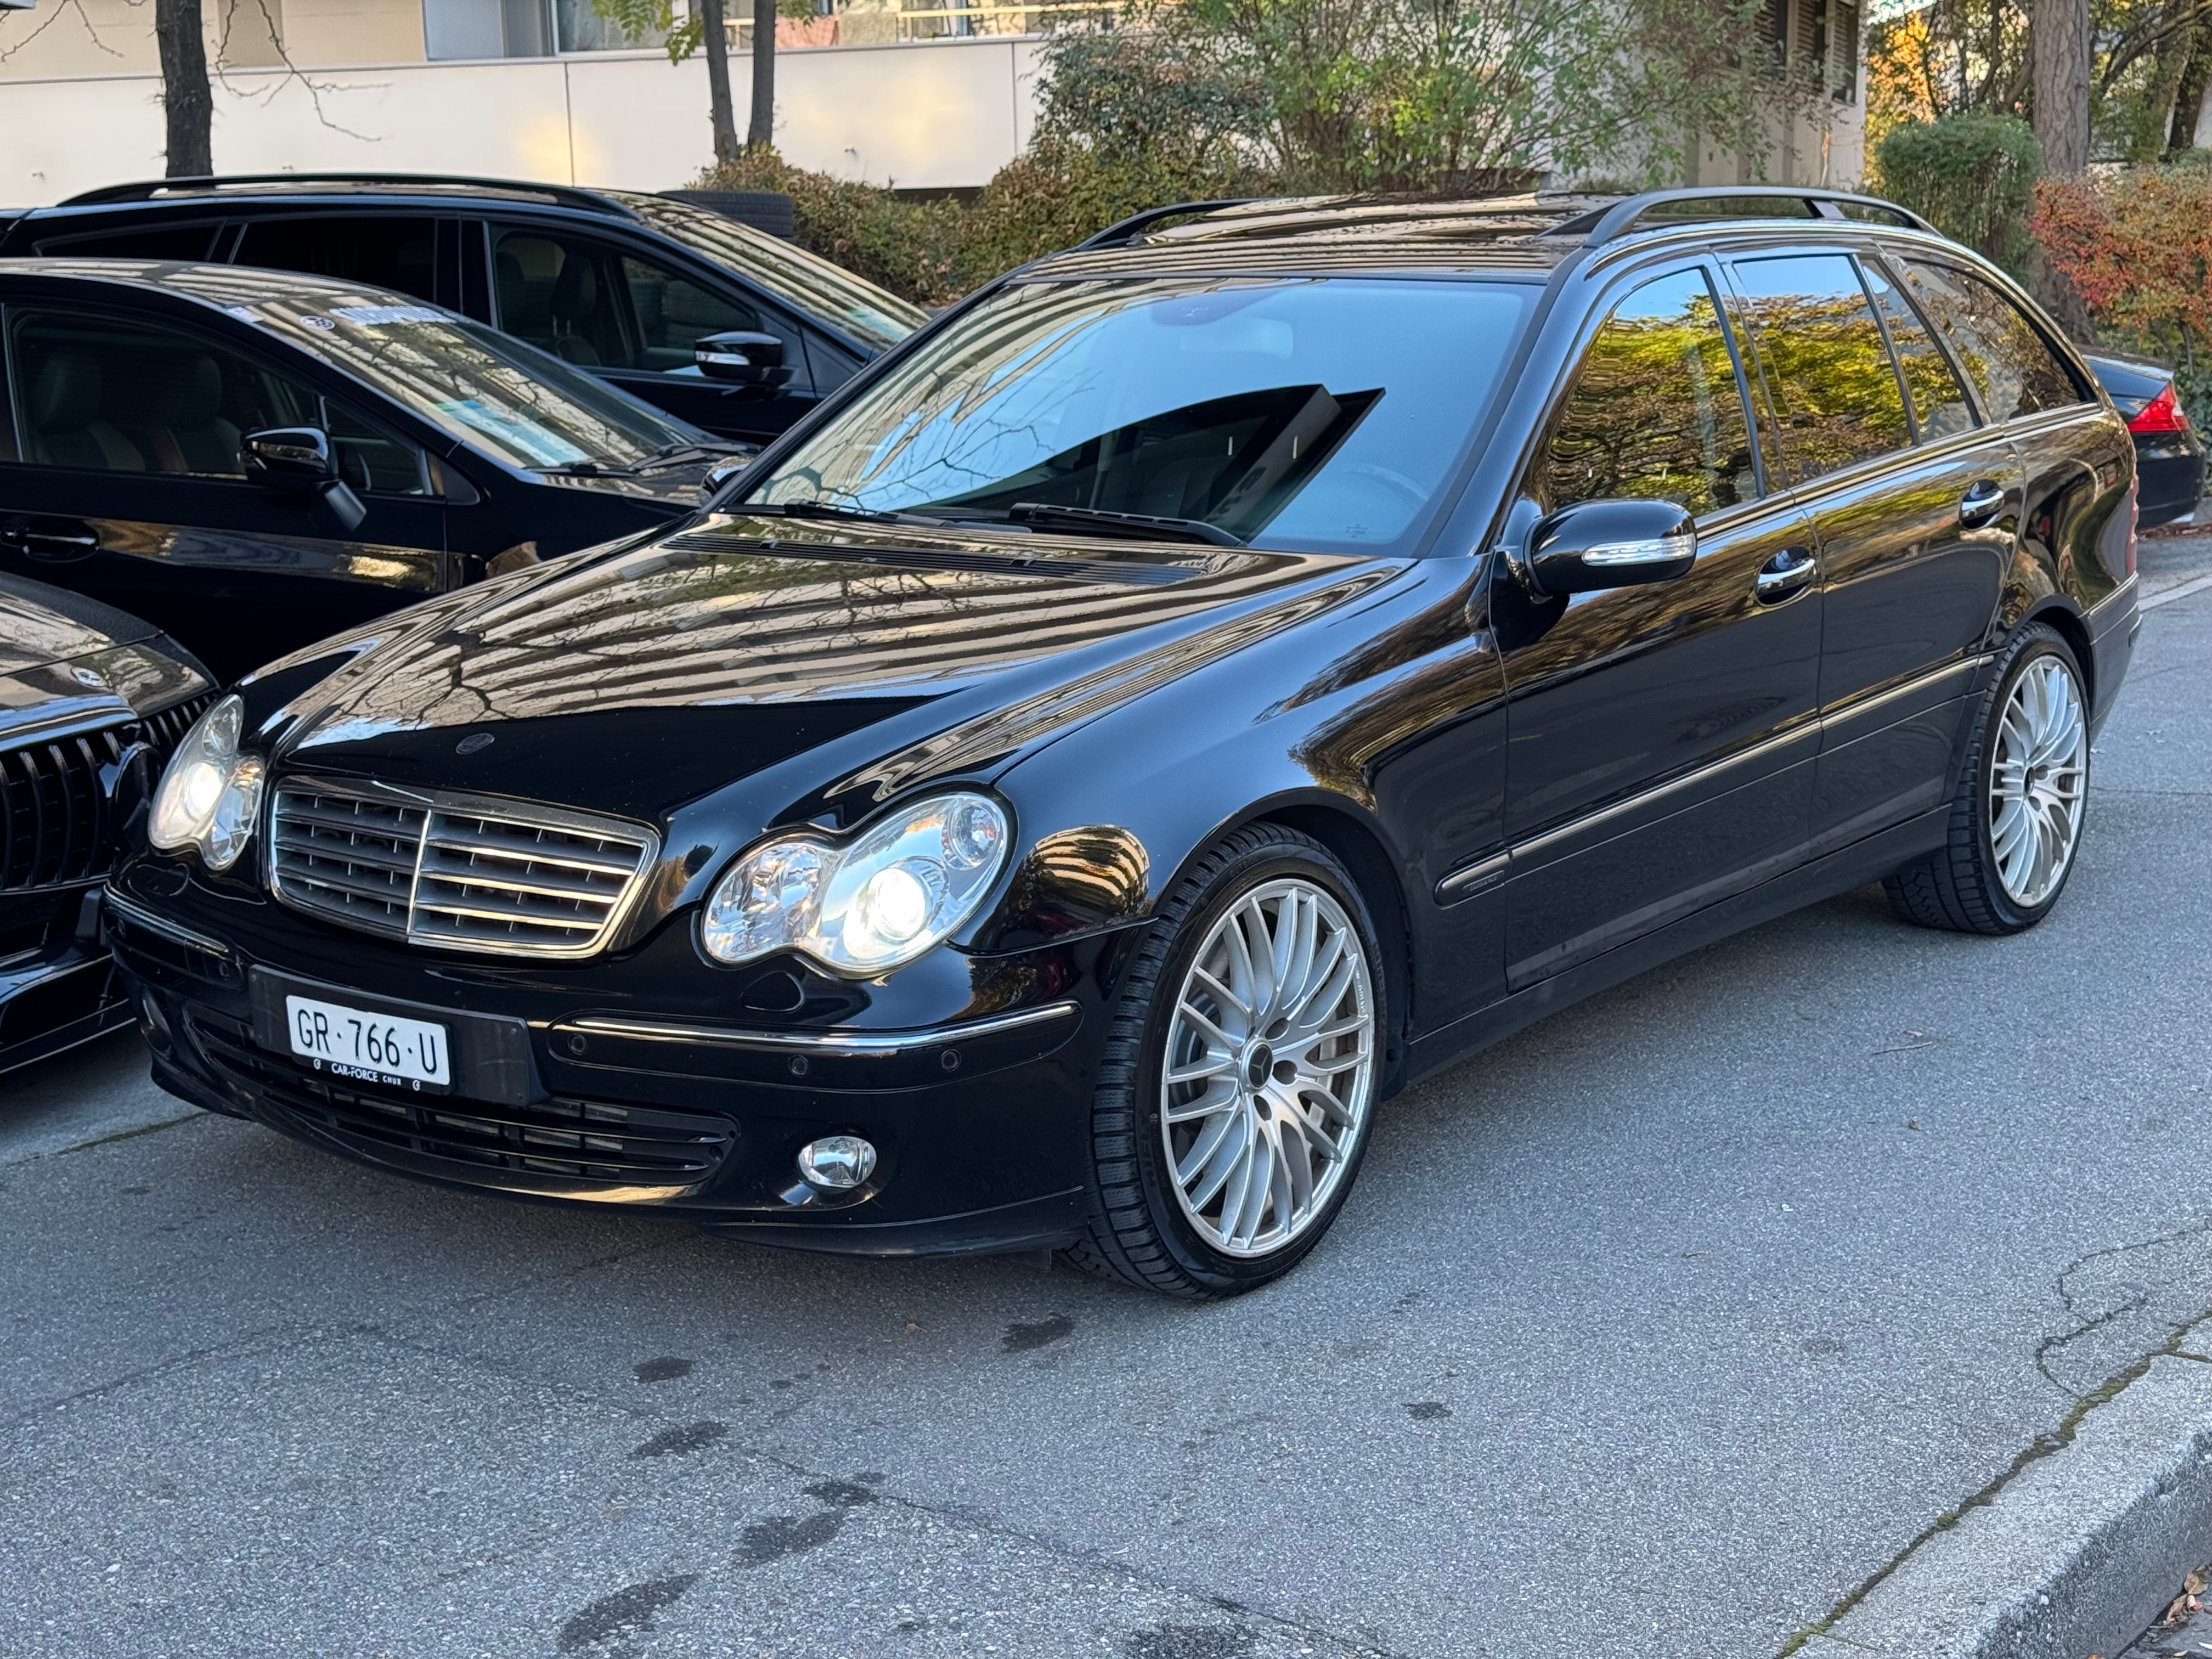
2013,366
151,241
384,252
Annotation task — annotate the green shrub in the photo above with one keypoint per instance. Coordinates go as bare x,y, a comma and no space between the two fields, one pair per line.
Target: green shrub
1971,176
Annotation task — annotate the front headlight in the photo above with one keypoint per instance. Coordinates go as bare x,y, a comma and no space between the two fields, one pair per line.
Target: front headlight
210,792
864,908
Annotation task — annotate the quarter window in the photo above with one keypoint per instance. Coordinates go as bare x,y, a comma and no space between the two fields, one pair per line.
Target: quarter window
1840,399
2012,365
1939,402
114,395
1654,410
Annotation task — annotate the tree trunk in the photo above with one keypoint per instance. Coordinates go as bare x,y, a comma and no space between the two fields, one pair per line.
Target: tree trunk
2058,47
762,130
187,103
2189,95
718,82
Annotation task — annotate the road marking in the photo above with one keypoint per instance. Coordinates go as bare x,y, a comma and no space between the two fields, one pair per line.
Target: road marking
2171,594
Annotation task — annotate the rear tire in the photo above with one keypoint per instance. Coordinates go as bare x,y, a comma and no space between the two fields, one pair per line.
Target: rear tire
2016,820
1240,1074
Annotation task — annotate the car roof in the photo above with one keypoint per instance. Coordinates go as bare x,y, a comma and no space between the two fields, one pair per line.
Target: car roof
1532,232
293,186
217,286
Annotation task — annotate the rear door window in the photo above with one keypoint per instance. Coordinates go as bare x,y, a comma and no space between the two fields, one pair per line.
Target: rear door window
372,249
1939,402
2012,365
1654,410
1839,398
151,241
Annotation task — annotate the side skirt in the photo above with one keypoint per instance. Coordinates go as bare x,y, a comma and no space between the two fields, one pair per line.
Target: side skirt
1838,872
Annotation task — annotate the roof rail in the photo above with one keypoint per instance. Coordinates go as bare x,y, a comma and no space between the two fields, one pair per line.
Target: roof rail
1123,233
1604,224
146,190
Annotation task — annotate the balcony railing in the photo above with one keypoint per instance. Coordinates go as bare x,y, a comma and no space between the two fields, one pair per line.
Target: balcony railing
880,23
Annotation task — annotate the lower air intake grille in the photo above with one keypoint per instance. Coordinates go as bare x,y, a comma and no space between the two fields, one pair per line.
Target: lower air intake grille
567,1140
455,870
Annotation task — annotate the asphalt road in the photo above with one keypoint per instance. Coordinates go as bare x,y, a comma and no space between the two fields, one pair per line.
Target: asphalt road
1656,1330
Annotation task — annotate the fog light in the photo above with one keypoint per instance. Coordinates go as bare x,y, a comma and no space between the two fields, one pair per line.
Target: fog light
837,1161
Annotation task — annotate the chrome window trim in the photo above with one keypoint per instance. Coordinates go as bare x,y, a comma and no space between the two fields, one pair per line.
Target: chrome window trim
505,808
832,1042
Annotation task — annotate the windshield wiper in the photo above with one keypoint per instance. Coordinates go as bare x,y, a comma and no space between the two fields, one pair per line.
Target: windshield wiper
819,509
674,455
1149,526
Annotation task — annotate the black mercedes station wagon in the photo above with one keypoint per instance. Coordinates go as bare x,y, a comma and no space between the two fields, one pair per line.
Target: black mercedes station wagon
91,703
252,460
621,284
1204,682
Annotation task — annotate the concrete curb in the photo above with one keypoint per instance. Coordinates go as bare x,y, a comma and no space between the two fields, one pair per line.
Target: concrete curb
2072,1556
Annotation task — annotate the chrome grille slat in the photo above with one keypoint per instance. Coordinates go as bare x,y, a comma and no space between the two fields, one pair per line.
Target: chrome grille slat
457,872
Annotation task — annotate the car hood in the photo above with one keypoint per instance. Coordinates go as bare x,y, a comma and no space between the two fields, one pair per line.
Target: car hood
67,661
813,668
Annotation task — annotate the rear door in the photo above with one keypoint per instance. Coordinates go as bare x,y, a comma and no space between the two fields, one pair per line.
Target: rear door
632,316
1662,738
1914,506
398,250
126,486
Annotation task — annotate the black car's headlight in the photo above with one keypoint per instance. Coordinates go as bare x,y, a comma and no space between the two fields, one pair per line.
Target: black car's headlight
210,791
862,906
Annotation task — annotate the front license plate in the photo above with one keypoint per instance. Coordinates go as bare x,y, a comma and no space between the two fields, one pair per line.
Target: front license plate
373,1048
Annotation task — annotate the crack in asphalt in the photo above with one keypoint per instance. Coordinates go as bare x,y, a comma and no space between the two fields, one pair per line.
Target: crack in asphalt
2070,1426
946,1513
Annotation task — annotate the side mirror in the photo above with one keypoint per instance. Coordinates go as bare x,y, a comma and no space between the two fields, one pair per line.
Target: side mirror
1616,543
741,356
297,460
288,456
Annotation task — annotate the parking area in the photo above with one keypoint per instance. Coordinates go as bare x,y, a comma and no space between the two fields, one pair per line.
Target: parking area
1659,1329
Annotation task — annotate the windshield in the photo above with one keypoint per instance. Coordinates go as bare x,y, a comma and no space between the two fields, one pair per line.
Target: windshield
494,393
870,316
1319,414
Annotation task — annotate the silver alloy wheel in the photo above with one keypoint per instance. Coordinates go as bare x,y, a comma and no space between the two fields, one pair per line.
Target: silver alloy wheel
1270,1067
2037,782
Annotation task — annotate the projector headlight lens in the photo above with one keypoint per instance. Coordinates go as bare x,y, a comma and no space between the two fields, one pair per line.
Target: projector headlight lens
895,891
210,792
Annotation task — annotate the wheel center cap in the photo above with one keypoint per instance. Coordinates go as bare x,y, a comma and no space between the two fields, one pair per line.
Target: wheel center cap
1262,1061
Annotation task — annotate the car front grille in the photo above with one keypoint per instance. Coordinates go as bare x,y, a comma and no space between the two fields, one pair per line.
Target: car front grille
579,1140
459,872
56,821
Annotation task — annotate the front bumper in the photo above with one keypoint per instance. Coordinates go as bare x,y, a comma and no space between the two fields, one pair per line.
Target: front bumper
57,988
563,1092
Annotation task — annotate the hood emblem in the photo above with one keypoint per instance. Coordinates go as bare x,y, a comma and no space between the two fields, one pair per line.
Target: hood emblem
91,677
473,743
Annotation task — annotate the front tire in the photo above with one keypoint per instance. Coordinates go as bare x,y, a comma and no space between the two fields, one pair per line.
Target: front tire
2016,820
1240,1073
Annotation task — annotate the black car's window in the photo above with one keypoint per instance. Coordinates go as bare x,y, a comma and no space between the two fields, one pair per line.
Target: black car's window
392,252
116,395
1939,402
1316,413
2013,366
598,306
810,284
140,242
1654,410
1840,399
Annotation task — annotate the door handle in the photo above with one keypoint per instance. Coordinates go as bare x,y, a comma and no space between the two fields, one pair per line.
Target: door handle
1981,502
1790,571
52,541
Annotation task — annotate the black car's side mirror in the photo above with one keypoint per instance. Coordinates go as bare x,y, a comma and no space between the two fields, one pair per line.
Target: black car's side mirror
1612,544
743,357
297,460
